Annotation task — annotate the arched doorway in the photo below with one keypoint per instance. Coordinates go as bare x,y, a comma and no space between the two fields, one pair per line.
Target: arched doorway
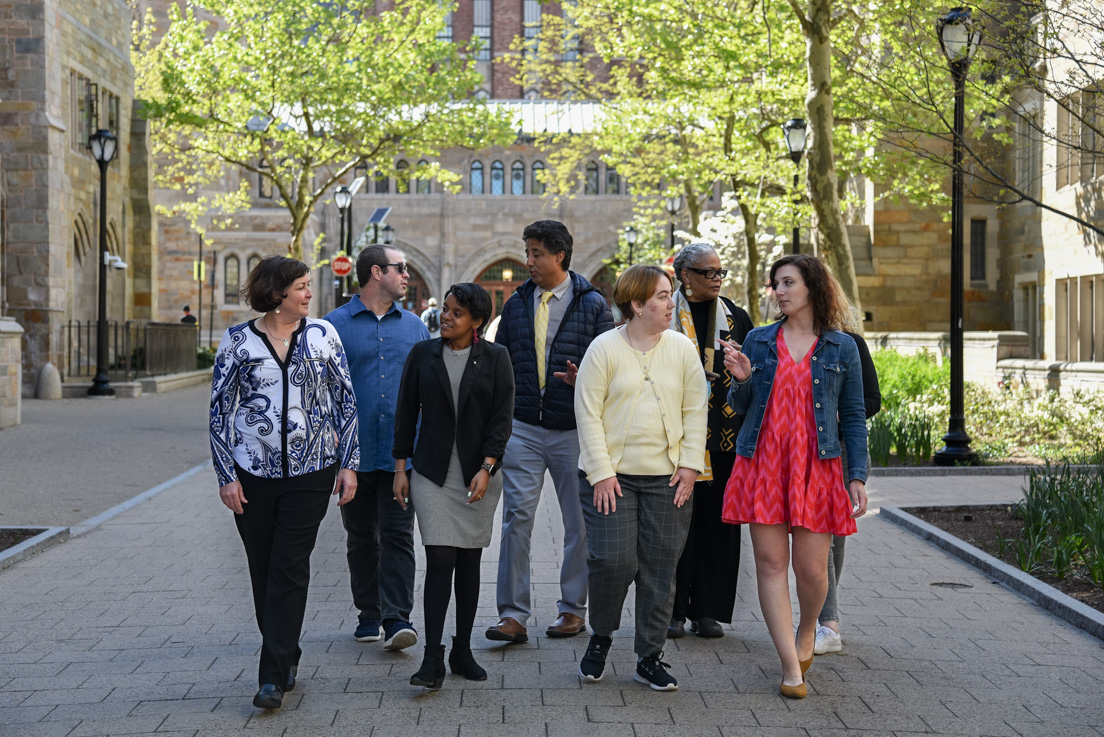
416,291
500,279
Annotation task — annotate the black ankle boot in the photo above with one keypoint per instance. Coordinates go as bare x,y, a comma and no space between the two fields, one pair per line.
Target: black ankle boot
462,662
432,673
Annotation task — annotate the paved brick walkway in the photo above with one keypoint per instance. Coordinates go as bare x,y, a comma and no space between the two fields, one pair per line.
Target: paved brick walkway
145,626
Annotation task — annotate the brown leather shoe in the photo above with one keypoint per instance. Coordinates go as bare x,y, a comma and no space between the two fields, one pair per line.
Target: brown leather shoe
566,625
508,629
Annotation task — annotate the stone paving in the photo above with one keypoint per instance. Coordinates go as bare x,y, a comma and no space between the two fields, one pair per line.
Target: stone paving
144,626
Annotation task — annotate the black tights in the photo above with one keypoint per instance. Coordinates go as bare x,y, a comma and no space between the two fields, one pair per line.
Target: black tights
441,561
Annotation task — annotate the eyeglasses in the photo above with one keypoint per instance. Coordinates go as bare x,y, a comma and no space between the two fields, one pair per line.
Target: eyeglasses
400,266
709,273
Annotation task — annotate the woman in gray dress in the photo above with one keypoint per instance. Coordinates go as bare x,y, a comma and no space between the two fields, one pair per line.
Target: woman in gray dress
461,389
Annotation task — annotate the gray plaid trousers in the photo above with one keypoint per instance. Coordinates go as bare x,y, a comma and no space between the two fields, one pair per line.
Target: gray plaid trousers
641,542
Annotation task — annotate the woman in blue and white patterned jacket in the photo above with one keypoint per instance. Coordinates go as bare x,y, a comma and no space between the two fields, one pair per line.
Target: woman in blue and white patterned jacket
283,422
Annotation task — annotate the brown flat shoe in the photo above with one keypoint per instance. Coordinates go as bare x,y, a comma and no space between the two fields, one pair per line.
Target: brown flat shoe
508,629
566,625
793,692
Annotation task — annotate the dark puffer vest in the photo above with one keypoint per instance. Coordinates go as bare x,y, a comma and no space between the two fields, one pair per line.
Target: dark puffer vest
587,317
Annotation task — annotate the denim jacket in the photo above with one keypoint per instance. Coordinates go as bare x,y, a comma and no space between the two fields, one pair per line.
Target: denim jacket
837,392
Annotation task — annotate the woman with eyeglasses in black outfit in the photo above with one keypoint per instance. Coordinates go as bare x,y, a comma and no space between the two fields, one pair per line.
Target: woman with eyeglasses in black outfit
705,581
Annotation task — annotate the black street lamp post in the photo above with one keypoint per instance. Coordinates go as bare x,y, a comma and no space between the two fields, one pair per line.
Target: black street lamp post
630,238
103,146
959,38
673,205
343,198
794,131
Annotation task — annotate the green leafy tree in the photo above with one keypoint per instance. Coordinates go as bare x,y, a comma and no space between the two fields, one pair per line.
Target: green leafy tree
300,93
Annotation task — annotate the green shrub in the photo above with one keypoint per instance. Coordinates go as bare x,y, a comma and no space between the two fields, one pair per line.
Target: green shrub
205,357
911,380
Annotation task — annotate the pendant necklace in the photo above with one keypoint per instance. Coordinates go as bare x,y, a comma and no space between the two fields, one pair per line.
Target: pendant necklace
286,341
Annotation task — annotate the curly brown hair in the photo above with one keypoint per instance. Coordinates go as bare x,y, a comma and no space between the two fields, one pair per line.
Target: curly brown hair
831,310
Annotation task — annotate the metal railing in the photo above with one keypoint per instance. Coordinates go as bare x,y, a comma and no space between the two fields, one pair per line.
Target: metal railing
135,348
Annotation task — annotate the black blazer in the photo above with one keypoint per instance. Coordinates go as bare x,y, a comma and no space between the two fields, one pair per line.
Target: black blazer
485,413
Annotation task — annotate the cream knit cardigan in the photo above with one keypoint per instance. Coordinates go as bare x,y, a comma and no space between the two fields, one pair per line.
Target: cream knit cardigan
610,381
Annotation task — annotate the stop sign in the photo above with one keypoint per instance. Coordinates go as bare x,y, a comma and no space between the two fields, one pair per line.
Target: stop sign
342,266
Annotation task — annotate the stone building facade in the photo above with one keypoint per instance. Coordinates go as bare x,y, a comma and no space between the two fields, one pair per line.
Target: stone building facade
66,73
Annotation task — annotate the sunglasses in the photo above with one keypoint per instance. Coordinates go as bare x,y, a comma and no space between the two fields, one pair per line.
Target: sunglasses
709,273
400,266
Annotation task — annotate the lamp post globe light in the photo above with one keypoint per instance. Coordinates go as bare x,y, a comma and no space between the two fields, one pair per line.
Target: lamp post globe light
673,205
388,235
103,145
959,37
343,198
794,132
630,238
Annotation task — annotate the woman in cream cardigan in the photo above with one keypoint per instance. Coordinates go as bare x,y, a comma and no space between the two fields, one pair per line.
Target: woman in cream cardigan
640,402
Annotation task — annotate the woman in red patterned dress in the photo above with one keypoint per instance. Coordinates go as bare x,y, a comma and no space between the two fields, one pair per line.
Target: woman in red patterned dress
799,383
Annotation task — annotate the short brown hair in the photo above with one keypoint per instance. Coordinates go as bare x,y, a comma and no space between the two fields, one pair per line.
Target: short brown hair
636,284
831,310
267,285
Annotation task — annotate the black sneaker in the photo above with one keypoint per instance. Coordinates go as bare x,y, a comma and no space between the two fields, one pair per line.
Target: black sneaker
593,663
653,671
707,627
676,629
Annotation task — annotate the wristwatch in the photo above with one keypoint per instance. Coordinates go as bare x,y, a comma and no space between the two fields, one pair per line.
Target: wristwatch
489,468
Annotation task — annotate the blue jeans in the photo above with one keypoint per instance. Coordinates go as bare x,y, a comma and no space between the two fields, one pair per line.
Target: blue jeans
380,549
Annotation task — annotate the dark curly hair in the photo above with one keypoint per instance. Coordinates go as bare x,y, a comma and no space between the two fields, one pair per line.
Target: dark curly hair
554,236
831,310
475,300
267,285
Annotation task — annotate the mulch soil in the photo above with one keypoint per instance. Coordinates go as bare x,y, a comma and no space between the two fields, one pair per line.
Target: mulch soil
979,525
12,537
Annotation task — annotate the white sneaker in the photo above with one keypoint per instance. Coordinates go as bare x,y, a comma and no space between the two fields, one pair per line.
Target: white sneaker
827,641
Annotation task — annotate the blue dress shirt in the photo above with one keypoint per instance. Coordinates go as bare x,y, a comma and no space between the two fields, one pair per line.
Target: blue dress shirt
376,348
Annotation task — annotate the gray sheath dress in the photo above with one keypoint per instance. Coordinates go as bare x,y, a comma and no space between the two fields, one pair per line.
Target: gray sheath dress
443,513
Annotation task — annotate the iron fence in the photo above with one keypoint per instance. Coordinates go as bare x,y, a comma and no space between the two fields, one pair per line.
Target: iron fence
135,348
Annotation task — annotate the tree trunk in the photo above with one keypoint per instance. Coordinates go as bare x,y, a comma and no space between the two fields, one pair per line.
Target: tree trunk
830,232
751,230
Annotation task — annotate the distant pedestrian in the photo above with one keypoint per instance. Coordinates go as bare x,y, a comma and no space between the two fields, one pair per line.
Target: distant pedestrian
431,316
378,335
705,584
547,325
799,383
640,397
828,638
460,390
188,318
283,422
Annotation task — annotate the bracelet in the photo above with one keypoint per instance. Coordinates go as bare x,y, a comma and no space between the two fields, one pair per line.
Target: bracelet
489,468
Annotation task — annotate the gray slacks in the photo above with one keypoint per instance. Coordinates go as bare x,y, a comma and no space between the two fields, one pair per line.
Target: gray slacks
640,542
531,451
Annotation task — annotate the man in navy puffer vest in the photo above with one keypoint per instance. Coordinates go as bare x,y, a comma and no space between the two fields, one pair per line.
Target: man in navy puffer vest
547,325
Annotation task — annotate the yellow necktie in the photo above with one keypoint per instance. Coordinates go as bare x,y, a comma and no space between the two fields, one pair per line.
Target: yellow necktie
540,328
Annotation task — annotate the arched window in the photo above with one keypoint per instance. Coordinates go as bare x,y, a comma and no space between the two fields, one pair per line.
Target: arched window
517,178
482,95
591,186
475,180
264,183
381,183
613,181
231,280
252,263
402,178
498,178
425,186
537,186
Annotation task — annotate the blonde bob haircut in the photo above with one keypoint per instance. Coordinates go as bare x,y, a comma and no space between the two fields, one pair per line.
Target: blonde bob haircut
637,284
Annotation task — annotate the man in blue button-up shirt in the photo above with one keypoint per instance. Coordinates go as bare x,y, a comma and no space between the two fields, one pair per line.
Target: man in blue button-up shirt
377,335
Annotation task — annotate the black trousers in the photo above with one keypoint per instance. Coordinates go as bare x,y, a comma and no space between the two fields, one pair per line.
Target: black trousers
707,573
279,527
380,549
